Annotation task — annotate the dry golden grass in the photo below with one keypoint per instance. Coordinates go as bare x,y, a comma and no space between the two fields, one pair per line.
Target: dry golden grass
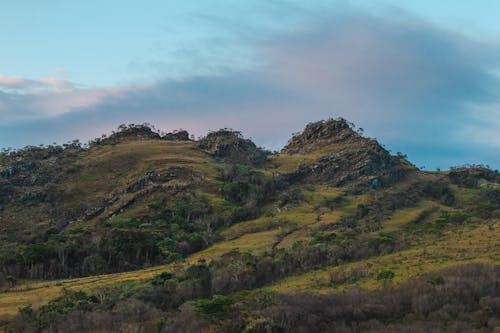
121,163
37,293
286,163
462,246
256,243
404,216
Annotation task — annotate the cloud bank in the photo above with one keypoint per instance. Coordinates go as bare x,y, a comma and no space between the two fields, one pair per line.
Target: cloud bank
421,90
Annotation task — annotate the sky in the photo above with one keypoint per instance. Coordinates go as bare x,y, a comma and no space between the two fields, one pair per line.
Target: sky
420,76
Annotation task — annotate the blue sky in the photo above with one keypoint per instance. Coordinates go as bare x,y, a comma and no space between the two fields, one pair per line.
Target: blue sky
421,76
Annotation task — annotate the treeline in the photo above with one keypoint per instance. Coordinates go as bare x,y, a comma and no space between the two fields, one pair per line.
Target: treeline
234,272
460,299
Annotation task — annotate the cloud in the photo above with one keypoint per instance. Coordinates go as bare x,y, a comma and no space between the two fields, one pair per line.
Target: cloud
25,85
362,63
25,102
421,90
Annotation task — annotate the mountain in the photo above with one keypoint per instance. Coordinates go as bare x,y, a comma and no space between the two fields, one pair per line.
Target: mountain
143,231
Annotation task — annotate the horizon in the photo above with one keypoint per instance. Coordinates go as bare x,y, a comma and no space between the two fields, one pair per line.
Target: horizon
273,150
420,77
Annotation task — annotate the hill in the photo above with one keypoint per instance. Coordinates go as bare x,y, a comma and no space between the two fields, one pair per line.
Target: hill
143,231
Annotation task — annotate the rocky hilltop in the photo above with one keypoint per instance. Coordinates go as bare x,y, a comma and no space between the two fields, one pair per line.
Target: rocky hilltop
319,134
343,155
230,146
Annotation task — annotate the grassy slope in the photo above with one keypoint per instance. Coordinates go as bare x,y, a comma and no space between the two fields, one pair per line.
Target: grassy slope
110,169
104,172
458,245
122,164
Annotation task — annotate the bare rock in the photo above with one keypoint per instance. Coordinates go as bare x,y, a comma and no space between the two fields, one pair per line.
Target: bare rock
230,146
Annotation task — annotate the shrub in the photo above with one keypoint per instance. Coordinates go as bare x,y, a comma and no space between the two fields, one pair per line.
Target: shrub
161,278
386,274
215,307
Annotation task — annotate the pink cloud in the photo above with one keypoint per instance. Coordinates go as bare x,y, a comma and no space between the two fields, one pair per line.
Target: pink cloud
27,98
54,103
27,85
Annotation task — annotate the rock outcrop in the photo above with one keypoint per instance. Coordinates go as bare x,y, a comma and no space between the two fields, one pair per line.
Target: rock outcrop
176,136
128,132
345,156
320,134
230,146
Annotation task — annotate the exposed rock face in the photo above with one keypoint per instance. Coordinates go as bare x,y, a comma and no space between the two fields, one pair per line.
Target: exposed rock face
151,182
177,136
229,146
343,166
159,177
320,134
348,156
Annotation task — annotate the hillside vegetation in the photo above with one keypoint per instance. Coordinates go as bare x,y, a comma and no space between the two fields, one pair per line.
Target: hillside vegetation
142,231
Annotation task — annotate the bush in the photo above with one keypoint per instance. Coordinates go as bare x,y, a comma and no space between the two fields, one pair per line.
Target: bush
386,274
70,301
215,307
161,278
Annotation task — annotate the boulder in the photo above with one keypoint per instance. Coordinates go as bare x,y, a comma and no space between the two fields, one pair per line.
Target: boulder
177,136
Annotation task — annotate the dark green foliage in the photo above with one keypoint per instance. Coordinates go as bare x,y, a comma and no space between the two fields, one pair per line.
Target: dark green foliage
161,278
197,271
437,280
184,209
247,189
37,253
386,274
324,238
244,185
171,229
380,206
335,203
386,243
439,190
386,237
214,308
69,302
